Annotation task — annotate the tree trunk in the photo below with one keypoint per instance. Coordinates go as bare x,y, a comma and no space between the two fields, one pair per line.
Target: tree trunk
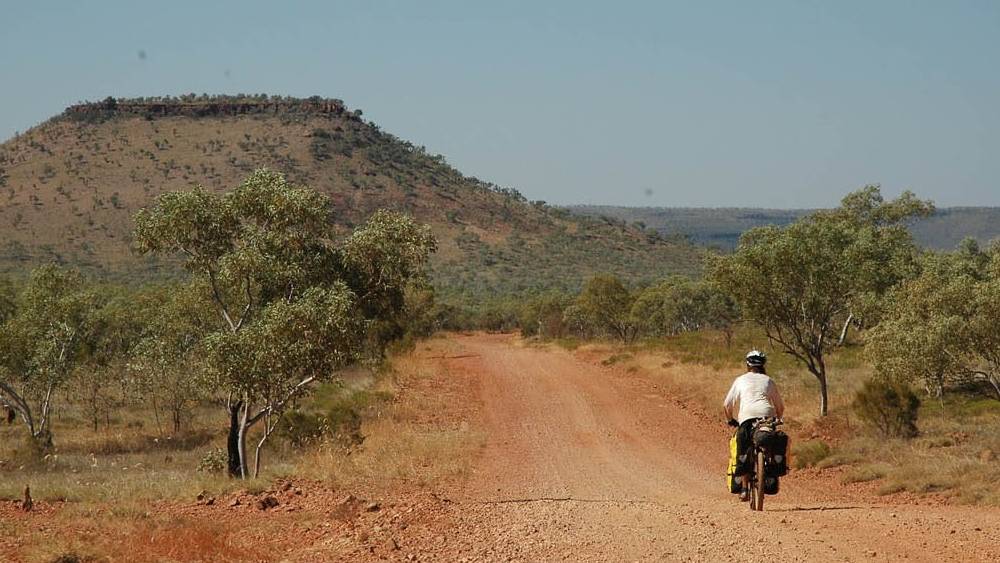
233,441
995,383
843,332
43,431
156,415
818,369
13,400
823,396
43,439
241,444
256,455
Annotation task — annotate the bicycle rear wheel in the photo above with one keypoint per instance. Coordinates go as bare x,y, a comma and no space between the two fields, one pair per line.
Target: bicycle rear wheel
759,481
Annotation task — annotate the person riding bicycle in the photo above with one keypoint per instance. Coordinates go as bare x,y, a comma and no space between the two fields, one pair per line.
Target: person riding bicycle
752,396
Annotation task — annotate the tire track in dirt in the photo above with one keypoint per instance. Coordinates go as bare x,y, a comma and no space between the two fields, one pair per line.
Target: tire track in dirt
586,463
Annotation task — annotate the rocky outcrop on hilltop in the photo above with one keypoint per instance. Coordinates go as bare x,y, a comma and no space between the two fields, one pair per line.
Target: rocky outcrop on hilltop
207,106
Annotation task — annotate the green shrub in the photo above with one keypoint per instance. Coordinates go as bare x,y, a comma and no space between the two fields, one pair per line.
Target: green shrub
215,461
542,315
340,422
864,474
300,428
890,408
810,453
616,359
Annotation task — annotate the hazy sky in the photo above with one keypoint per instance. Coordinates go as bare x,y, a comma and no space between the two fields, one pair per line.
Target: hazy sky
778,104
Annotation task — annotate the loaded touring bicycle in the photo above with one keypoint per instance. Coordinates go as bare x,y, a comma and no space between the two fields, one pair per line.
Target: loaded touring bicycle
765,461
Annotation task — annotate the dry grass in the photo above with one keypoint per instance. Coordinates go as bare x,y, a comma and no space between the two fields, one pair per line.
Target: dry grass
110,465
394,453
954,458
405,442
865,473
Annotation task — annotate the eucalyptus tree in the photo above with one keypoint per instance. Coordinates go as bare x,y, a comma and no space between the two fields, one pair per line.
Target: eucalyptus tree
382,261
678,304
167,364
605,304
943,327
290,345
805,282
925,323
543,314
292,305
42,342
101,384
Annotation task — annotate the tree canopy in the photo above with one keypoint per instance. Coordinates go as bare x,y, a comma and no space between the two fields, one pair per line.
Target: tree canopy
943,327
42,341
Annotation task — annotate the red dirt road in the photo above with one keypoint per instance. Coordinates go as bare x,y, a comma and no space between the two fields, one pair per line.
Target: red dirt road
588,463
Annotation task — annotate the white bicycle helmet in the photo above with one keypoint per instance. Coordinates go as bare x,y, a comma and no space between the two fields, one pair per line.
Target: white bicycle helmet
756,358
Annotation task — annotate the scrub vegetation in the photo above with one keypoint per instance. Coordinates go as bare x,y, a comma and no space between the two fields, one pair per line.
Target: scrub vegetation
273,307
176,319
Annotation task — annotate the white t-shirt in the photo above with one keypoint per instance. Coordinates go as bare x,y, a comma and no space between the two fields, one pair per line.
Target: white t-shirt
753,395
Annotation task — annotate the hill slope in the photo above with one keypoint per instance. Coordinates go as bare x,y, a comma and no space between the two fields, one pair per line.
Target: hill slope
70,187
722,227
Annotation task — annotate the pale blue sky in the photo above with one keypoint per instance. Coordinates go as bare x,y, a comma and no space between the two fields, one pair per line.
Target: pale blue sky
776,104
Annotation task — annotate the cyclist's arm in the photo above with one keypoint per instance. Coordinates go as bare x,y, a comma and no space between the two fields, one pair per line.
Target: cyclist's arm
729,404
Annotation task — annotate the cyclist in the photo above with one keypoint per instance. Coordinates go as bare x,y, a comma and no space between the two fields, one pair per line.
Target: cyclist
752,396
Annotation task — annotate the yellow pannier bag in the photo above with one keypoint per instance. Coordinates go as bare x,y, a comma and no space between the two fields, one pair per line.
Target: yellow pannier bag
732,481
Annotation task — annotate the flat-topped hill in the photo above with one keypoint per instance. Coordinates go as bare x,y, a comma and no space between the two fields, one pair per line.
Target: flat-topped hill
70,187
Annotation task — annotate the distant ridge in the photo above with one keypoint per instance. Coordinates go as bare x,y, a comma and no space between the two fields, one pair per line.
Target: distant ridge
722,227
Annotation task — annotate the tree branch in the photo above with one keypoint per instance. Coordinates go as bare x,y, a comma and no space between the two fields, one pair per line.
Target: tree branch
278,405
45,407
218,299
246,310
14,399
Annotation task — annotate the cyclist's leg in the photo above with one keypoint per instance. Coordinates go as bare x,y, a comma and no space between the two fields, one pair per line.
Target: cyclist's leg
743,439
743,463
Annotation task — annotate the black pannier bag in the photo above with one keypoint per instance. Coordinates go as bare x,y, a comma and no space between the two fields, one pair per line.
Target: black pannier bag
770,485
779,453
775,443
